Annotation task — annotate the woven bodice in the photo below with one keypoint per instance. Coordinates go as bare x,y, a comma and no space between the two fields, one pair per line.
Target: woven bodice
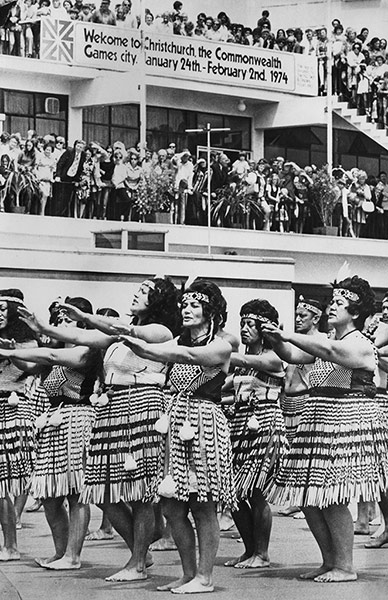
327,376
203,382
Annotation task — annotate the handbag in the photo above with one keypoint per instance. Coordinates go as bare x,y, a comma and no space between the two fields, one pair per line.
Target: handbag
368,206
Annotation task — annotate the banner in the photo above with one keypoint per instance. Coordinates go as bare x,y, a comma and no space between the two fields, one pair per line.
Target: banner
119,49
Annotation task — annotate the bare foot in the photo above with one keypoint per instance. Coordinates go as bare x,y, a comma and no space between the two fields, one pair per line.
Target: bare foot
128,575
100,534
6,555
195,586
336,576
163,544
235,561
62,564
290,510
173,584
253,562
378,542
299,515
315,573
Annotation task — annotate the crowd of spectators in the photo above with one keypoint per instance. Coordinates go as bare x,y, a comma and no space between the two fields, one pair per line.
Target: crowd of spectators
41,175
359,67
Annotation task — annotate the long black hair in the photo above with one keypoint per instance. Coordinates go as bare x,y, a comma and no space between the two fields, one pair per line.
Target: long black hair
162,305
15,329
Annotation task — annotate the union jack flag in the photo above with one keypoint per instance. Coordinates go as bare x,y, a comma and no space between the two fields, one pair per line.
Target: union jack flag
57,40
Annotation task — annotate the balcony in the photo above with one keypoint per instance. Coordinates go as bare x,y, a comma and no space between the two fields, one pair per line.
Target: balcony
81,50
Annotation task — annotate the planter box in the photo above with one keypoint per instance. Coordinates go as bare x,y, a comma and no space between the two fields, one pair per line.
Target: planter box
326,230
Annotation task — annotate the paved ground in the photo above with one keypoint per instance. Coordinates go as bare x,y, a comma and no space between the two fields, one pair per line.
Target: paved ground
292,550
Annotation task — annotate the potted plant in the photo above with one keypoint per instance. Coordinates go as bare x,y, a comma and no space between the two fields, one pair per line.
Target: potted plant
19,190
324,199
154,196
232,206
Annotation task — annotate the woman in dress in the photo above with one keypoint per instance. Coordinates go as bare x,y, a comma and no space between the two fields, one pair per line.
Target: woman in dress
63,434
339,450
124,448
196,457
16,428
257,431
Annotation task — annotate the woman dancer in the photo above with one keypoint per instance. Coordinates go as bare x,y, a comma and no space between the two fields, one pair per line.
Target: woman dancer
62,439
196,460
16,429
339,450
124,447
257,431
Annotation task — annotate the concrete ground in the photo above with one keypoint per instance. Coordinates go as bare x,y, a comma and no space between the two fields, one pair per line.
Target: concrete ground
292,551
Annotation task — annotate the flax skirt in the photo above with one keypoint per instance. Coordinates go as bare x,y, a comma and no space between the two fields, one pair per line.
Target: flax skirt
339,454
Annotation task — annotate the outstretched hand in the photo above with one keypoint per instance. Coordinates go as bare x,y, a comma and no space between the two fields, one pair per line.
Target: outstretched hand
273,333
75,314
30,319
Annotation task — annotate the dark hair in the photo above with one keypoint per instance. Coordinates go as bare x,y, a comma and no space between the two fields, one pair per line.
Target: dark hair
162,305
261,308
16,328
82,304
107,312
365,306
214,311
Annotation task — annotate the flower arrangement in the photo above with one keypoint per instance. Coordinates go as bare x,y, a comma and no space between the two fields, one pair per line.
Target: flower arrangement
155,192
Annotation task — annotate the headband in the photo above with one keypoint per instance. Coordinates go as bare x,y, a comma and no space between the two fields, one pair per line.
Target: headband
196,296
149,283
314,309
256,318
11,299
346,294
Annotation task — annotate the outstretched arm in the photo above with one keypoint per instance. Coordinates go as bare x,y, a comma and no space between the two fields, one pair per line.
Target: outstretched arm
344,352
67,357
216,353
285,350
267,361
71,335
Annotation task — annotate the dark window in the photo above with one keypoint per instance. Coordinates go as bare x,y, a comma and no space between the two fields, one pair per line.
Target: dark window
32,110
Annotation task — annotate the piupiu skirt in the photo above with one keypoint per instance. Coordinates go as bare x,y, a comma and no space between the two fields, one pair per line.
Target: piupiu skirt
16,445
339,454
61,452
124,427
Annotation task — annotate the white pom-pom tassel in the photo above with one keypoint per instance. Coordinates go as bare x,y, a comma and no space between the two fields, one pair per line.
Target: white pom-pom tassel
56,419
130,463
253,424
94,399
167,487
162,424
41,421
13,399
186,432
103,400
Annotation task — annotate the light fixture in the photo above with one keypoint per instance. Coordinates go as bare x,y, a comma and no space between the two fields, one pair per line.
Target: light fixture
241,106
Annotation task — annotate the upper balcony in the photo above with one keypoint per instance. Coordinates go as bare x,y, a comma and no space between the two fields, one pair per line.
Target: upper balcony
78,50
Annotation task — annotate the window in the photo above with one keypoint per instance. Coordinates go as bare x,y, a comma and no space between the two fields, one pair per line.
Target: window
164,125
29,110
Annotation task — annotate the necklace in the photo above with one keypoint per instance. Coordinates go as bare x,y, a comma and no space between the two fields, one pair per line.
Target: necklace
199,337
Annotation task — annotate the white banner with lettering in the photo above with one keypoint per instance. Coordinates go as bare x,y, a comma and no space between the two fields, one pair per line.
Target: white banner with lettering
119,49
